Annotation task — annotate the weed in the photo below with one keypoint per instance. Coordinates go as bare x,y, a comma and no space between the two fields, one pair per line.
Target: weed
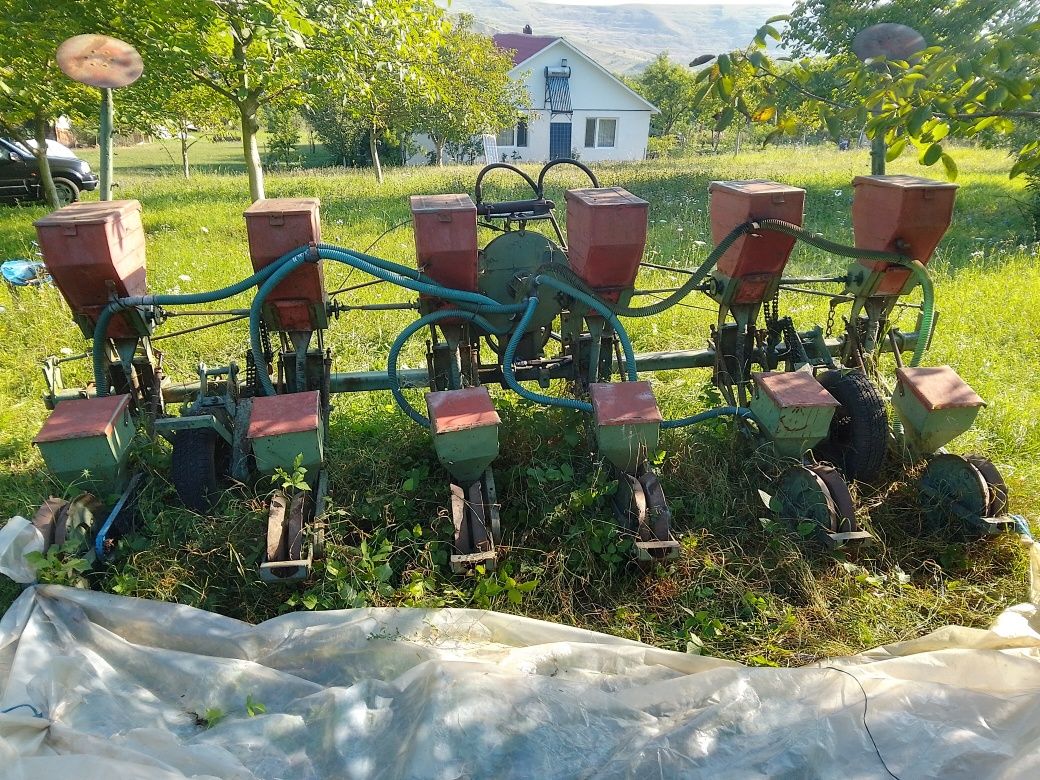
60,565
253,707
294,480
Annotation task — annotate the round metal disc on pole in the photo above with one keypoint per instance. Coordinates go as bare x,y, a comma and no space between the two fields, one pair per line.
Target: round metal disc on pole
888,40
108,63
100,61
884,42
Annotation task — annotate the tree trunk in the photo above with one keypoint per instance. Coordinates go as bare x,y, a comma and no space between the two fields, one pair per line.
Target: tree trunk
374,149
438,144
251,151
184,152
40,153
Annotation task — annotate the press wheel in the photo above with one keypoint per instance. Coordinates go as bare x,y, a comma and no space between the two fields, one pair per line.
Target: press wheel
819,494
998,490
630,506
955,490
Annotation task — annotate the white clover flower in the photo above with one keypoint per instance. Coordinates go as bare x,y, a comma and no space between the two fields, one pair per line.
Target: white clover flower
65,351
184,278
204,229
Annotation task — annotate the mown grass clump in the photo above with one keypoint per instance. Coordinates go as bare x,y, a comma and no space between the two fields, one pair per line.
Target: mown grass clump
745,587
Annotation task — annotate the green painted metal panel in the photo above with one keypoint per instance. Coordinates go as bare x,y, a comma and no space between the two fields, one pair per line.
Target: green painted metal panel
168,426
95,462
793,430
467,453
627,445
280,451
928,430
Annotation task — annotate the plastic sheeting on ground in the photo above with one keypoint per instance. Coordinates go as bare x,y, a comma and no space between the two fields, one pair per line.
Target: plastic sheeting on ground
124,685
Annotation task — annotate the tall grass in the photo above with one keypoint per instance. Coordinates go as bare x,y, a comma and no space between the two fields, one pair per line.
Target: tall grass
748,589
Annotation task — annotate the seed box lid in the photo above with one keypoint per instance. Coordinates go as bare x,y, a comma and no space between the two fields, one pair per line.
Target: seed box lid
793,389
96,213
624,403
460,410
81,418
904,182
277,415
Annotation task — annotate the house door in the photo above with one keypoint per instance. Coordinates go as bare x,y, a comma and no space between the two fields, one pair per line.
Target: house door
559,140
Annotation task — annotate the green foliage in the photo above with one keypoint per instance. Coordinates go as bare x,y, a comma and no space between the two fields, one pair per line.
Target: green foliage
60,565
253,707
829,26
283,127
211,717
33,90
293,480
371,62
470,91
673,89
981,82
492,586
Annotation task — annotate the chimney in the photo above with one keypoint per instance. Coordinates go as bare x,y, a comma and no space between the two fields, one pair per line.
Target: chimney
527,29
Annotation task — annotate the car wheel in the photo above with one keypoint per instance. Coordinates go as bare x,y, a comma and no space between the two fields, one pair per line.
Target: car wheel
68,192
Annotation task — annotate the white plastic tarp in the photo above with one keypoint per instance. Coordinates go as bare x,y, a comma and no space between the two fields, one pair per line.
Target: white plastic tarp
410,693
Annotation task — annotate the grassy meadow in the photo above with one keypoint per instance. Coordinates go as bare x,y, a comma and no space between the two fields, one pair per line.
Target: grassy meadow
746,589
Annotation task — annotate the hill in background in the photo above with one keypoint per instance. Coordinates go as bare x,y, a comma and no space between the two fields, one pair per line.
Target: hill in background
624,38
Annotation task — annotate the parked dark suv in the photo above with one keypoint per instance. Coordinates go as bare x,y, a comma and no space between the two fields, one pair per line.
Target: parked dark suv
20,174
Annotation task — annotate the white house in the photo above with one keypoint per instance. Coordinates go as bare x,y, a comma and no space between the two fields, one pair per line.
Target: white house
576,109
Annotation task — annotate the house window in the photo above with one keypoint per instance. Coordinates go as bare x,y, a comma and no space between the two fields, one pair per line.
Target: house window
600,132
513,136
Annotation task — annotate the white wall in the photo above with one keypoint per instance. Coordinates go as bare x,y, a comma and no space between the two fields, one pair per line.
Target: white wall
594,93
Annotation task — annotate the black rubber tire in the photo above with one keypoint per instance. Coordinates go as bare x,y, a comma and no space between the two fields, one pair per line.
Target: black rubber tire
858,436
68,192
200,460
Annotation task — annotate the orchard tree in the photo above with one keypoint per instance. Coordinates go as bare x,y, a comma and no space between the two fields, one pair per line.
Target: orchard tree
671,88
250,53
194,110
473,92
159,104
986,82
374,63
34,92
829,26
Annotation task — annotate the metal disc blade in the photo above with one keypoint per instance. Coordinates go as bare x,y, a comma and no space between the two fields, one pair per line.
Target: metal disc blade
100,61
888,40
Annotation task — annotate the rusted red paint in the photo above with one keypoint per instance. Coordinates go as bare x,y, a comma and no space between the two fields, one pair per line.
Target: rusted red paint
279,225
939,387
606,236
624,403
460,410
274,415
904,214
445,229
83,417
735,202
87,245
793,389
